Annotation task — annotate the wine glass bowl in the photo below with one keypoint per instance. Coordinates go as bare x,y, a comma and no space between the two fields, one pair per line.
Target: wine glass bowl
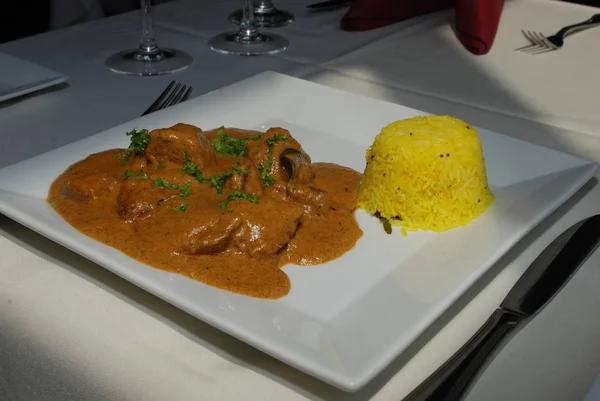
266,15
148,59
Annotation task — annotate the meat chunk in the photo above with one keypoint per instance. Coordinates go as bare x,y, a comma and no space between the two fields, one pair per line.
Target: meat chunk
212,234
311,197
89,179
267,227
247,183
89,186
137,198
169,146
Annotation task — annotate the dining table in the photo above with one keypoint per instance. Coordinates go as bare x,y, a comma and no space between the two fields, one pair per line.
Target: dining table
72,330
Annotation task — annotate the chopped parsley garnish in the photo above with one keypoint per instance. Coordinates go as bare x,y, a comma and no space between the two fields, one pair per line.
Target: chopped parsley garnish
159,182
295,188
236,194
257,137
236,168
184,190
229,145
141,174
181,208
266,179
139,142
218,181
276,138
264,170
191,169
161,167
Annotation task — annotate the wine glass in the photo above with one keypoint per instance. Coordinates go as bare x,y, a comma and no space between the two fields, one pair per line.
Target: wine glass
148,59
248,41
265,15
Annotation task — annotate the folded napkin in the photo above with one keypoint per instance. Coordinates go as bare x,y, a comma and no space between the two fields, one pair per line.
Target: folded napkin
476,20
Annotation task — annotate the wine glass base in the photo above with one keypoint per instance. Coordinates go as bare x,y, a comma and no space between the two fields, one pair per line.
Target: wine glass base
165,61
263,44
271,18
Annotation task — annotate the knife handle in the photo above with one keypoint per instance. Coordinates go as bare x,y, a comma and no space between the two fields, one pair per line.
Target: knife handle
449,382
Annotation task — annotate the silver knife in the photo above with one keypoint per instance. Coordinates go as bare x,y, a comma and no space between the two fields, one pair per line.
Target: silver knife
542,280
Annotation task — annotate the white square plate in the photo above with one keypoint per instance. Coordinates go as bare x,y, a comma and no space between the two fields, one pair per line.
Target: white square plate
19,77
343,321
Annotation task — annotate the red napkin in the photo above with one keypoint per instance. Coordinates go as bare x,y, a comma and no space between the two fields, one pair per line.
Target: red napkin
476,20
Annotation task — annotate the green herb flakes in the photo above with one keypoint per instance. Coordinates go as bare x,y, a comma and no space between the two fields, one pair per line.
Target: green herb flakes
191,169
159,182
236,194
181,208
218,181
264,171
140,174
276,138
184,190
236,168
229,145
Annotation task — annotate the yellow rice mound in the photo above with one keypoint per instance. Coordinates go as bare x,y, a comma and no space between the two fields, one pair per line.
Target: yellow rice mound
426,173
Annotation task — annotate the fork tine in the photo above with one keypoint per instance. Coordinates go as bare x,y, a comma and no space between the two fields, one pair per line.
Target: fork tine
526,48
537,50
545,41
549,43
534,49
167,101
543,44
544,50
534,43
155,105
523,48
177,97
536,39
187,94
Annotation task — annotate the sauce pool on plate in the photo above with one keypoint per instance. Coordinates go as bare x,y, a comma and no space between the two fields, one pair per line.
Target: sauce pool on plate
226,207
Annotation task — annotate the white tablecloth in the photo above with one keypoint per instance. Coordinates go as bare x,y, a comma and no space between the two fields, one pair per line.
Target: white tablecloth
69,330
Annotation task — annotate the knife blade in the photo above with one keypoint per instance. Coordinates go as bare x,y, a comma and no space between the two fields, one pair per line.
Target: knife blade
540,283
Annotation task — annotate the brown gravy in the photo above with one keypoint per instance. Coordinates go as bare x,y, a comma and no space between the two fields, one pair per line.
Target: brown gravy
227,220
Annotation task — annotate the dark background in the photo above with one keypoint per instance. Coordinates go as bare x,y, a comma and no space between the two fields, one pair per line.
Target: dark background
21,18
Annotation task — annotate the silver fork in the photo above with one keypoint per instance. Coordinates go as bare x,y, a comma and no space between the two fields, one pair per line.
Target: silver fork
542,44
174,93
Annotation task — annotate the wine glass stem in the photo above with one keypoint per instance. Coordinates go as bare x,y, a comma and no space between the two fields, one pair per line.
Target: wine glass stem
248,29
147,43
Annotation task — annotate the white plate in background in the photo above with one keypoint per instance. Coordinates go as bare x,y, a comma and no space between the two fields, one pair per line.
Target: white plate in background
19,77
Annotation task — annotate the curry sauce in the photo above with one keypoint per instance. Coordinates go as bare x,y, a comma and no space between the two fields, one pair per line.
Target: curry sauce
226,207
